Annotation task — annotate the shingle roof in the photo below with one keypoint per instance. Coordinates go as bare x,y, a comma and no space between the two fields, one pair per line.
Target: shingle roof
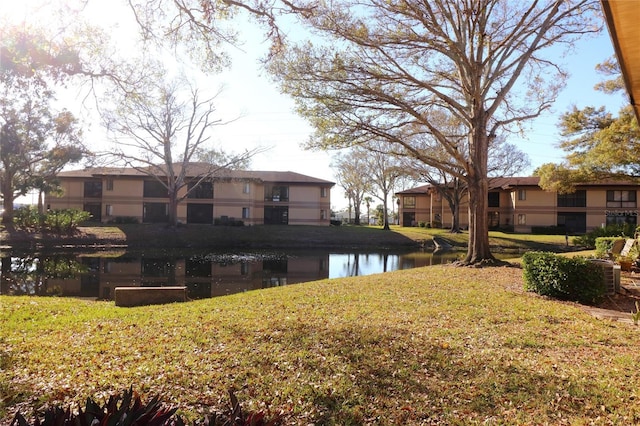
195,169
520,181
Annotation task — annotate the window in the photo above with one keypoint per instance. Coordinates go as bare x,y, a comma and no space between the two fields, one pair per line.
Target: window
409,202
494,220
573,223
622,218
323,192
154,189
276,193
93,189
109,184
576,199
245,212
203,190
108,210
621,198
522,194
155,212
323,214
494,199
246,189
522,219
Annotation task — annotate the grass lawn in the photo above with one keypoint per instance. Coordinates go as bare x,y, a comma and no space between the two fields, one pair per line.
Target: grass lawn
269,236
436,345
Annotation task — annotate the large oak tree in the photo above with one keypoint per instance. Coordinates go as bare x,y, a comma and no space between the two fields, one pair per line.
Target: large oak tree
598,145
385,68
36,141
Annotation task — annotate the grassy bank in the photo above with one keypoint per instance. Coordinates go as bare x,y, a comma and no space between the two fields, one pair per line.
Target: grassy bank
207,236
437,345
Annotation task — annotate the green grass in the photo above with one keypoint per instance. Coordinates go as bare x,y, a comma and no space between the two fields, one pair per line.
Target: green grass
436,345
199,236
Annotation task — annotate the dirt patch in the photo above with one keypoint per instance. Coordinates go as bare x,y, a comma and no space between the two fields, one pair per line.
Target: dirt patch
625,300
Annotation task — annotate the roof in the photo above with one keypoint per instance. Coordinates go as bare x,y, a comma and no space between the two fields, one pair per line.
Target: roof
507,183
195,169
622,20
494,183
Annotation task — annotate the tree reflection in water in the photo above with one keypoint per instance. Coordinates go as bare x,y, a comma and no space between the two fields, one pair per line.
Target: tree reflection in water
96,275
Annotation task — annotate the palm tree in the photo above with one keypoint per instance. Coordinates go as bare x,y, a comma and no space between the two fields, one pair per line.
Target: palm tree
368,200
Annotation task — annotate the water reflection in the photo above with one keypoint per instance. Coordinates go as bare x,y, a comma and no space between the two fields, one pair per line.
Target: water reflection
96,275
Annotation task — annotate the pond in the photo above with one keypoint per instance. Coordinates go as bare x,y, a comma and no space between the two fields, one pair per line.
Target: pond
205,274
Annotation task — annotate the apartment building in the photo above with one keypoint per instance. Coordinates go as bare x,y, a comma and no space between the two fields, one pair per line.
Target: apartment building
520,204
253,197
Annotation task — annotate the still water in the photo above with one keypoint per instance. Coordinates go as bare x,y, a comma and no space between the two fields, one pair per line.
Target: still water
205,274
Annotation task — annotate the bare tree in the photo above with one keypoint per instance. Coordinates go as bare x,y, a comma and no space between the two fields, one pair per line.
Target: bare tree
384,171
388,68
504,160
348,169
160,130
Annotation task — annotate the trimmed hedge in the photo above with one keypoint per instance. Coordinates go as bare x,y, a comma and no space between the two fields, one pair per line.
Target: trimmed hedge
576,279
625,230
548,230
605,244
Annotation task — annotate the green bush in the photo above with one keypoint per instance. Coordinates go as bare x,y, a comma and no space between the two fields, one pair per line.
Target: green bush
604,245
576,279
28,219
422,224
625,230
121,220
65,221
60,221
227,221
548,230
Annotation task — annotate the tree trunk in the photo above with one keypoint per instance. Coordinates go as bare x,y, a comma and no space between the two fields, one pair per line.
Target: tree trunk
7,199
478,184
40,202
455,215
478,250
385,213
173,209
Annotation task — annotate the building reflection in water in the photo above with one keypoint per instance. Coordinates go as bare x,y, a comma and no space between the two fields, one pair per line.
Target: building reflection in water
205,275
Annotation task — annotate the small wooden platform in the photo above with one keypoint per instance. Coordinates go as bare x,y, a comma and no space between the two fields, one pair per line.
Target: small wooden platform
140,296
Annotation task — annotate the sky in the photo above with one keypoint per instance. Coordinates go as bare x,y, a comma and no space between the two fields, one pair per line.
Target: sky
266,118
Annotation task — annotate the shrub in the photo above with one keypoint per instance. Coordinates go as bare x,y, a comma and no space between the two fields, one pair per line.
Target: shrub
625,230
604,245
65,221
563,278
59,221
28,219
548,230
227,221
122,220
128,409
422,224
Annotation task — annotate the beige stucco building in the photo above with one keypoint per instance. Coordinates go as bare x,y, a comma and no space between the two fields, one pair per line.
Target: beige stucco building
519,204
252,197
